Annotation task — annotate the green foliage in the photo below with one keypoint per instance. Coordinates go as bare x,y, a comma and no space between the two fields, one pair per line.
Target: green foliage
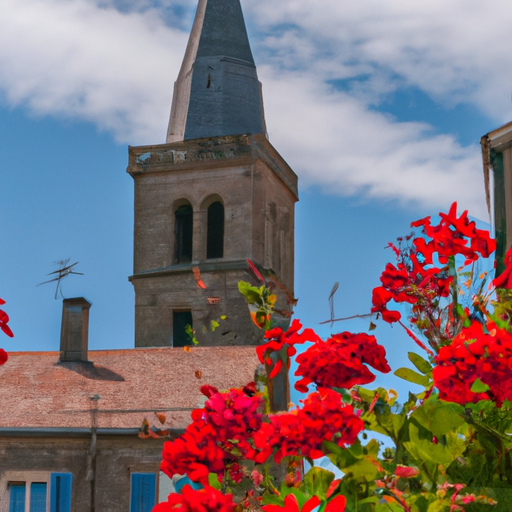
421,364
317,481
412,376
191,334
261,303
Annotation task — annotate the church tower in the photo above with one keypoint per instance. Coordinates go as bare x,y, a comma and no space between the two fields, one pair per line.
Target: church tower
214,195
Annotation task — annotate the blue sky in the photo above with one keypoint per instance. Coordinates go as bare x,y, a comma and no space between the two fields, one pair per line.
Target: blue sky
378,106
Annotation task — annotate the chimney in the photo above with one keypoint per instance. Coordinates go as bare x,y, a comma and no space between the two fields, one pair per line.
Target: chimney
74,333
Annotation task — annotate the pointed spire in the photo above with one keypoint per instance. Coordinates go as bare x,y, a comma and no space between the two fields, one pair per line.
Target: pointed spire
217,91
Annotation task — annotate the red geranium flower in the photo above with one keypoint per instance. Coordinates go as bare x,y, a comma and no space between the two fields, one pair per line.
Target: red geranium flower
277,339
406,471
340,361
415,279
233,415
504,280
4,319
195,453
190,500
292,505
323,417
451,236
478,352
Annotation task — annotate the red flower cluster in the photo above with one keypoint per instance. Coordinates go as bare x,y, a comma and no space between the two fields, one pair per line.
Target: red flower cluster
323,417
451,237
233,415
340,361
204,500
478,352
225,424
292,505
195,453
420,282
4,319
277,339
408,282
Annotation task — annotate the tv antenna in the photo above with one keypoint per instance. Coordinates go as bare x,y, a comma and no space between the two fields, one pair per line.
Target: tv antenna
331,300
62,272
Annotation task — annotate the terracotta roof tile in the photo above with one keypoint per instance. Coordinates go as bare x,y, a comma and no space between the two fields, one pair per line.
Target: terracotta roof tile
38,391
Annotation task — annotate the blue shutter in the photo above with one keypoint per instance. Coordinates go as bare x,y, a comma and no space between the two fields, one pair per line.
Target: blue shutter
143,492
17,498
38,497
60,492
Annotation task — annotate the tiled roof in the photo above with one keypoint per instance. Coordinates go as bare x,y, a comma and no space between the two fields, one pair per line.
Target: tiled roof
38,391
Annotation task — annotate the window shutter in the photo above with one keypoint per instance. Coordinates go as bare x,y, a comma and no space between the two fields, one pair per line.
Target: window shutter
38,497
60,492
143,493
17,498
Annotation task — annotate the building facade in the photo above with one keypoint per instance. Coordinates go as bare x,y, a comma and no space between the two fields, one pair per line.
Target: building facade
497,160
215,195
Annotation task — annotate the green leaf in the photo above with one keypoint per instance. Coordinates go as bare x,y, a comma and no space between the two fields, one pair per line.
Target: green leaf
421,364
328,447
191,334
272,499
214,325
412,376
251,293
317,481
460,311
345,394
439,417
371,499
422,448
479,386
301,497
213,481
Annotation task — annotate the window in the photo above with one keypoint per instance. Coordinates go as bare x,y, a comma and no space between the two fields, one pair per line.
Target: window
39,492
38,496
17,497
180,321
143,492
184,228
215,231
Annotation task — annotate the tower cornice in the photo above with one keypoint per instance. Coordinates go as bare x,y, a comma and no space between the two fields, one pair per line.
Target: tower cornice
213,152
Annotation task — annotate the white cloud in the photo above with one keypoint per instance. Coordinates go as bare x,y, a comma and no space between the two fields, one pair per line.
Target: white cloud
347,149
75,59
85,59
456,51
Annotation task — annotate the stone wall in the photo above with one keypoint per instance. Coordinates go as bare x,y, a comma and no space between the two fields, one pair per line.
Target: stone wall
258,191
35,458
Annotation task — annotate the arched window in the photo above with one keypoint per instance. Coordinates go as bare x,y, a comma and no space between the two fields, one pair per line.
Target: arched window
183,230
215,232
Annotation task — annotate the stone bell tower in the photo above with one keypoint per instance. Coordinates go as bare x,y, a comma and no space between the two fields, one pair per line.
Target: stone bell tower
214,195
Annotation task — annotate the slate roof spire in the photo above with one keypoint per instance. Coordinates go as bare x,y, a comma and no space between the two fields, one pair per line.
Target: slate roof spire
217,91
